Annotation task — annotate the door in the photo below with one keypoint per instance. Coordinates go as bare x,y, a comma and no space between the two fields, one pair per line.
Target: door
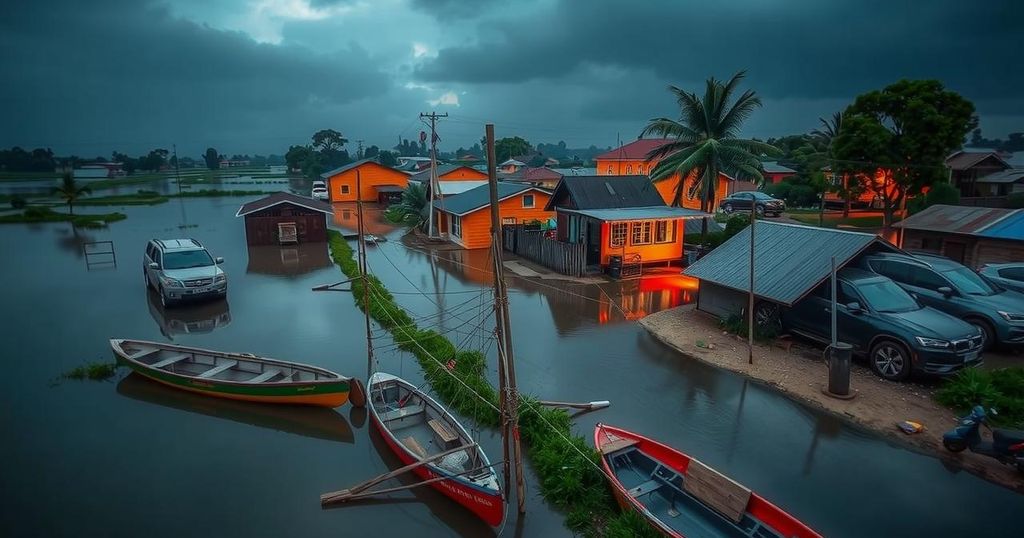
954,251
593,242
853,327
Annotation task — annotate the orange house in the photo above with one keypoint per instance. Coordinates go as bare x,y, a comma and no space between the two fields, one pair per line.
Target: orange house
631,159
450,172
379,183
466,217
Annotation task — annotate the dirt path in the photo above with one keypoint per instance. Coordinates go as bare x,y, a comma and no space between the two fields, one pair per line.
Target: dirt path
799,373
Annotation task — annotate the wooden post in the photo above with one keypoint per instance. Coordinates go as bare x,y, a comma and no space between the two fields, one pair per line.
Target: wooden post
750,300
361,246
506,364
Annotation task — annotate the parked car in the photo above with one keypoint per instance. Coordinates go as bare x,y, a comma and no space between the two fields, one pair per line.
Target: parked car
741,201
182,269
320,193
1006,275
882,322
958,291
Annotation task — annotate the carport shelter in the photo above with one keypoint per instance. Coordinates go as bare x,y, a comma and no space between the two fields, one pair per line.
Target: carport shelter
789,261
973,236
284,217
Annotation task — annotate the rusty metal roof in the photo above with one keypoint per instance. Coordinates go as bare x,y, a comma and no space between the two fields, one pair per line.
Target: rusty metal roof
954,219
964,160
284,198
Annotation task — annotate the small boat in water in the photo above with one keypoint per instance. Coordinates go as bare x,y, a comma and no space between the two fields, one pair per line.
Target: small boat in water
682,497
416,428
237,376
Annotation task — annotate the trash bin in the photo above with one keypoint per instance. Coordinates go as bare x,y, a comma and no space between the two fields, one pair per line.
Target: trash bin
615,266
839,368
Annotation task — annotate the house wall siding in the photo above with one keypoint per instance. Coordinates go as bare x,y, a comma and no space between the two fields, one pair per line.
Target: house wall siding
476,226
371,176
261,226
978,251
463,174
655,252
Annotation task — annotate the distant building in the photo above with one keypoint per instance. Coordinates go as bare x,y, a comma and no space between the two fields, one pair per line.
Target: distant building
973,236
284,217
774,172
233,163
99,171
982,173
466,220
538,177
511,166
449,172
381,184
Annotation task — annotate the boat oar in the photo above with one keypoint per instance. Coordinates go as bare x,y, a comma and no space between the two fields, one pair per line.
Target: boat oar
586,406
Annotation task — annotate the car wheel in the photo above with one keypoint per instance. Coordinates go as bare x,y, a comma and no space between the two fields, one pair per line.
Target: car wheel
767,317
759,210
954,445
890,360
988,337
727,208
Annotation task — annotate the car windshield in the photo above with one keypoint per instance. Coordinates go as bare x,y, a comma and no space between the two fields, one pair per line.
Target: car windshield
762,196
968,282
187,259
886,296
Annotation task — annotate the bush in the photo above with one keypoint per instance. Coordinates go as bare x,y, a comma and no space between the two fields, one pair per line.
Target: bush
939,193
779,190
1001,389
36,213
17,202
802,196
1015,201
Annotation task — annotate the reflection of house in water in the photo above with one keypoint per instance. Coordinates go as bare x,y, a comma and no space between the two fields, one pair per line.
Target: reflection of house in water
189,318
290,260
346,218
639,298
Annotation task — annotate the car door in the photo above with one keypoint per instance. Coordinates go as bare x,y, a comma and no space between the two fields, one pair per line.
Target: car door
806,315
744,200
146,260
1011,278
856,328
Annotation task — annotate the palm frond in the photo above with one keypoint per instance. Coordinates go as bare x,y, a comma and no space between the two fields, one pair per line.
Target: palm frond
730,124
754,147
681,162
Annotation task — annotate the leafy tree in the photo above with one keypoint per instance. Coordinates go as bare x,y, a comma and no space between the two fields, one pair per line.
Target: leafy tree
296,156
939,193
70,191
387,158
705,141
412,209
328,140
212,159
506,148
904,131
17,159
154,161
371,152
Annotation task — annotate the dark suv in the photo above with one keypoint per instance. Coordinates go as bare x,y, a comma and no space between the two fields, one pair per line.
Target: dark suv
740,201
885,324
958,291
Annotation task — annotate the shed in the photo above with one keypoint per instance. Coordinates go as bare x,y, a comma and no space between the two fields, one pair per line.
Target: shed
283,218
789,261
973,236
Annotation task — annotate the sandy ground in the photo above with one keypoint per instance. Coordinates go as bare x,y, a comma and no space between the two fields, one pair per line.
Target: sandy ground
799,372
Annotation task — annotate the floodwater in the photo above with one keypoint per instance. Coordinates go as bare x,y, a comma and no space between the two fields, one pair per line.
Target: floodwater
165,185
129,458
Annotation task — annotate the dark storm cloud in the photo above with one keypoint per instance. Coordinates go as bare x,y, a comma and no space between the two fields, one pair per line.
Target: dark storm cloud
794,49
458,9
117,68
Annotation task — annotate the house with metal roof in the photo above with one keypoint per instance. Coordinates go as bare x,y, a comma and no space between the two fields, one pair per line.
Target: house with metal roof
450,172
973,236
774,172
969,168
465,218
789,262
379,183
283,217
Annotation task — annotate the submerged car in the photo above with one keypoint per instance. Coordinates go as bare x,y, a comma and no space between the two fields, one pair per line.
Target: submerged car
181,270
1006,275
741,201
946,285
883,323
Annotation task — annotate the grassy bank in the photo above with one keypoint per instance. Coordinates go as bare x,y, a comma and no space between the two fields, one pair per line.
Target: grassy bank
873,221
45,214
565,463
1001,389
153,198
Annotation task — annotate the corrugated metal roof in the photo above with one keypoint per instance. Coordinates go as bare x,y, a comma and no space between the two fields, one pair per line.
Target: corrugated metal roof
693,226
953,219
606,192
639,213
789,260
451,188
773,167
284,198
1010,227
1011,175
478,197
635,150
964,160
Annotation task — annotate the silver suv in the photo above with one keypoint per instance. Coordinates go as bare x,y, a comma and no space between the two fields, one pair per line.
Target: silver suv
182,269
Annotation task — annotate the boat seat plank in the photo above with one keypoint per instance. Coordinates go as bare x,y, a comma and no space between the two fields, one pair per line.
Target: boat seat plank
402,412
226,365
412,444
443,432
171,360
265,376
144,353
617,445
645,488
717,491
286,377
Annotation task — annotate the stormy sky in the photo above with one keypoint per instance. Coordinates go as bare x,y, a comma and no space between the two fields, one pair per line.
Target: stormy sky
254,76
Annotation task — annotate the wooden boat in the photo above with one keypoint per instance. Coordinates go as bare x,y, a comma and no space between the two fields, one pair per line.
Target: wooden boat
237,376
416,427
682,497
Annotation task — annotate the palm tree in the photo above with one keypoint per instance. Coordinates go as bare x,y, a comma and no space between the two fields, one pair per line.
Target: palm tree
412,209
70,192
829,131
705,141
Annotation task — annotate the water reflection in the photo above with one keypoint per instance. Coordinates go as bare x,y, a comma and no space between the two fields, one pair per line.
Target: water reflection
189,318
345,217
288,261
71,239
307,421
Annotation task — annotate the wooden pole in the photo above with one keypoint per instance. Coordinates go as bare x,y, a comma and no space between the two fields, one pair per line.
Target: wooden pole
750,299
361,246
505,353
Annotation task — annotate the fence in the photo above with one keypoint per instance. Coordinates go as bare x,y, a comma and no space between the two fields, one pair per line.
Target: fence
566,258
99,253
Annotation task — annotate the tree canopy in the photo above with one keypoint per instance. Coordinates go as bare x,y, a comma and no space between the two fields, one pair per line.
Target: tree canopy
327,140
212,158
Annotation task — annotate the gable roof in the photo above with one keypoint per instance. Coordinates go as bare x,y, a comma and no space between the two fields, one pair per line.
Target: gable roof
605,192
1011,227
790,260
479,197
773,167
284,198
441,170
1011,175
513,162
531,173
635,150
965,160
955,219
352,166
451,188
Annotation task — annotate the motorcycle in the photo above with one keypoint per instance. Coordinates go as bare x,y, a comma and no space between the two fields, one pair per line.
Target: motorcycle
1007,446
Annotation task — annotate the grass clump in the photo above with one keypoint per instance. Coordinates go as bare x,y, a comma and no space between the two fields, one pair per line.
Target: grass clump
1001,389
737,325
143,197
45,214
565,463
93,371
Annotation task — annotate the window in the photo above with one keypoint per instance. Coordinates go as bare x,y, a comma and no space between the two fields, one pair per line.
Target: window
187,259
629,169
640,169
967,281
642,233
845,294
344,189
900,272
456,224
927,279
1012,273
665,231
618,235
528,201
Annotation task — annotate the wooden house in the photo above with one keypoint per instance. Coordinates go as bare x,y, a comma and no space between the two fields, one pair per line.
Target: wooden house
511,166
973,236
465,219
381,184
450,172
622,216
774,172
982,173
285,218
631,159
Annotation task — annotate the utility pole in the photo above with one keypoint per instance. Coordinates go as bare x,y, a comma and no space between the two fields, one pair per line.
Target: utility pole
509,396
433,116
750,301
363,273
177,178
359,152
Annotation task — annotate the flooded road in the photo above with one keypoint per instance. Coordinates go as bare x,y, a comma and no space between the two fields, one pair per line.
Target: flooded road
128,458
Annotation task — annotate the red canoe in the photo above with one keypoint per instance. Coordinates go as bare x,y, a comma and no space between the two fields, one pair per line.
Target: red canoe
681,496
416,427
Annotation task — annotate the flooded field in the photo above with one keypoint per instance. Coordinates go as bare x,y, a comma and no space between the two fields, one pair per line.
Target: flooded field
129,458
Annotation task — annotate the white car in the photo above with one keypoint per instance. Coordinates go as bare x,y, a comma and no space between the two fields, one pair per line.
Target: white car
320,193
